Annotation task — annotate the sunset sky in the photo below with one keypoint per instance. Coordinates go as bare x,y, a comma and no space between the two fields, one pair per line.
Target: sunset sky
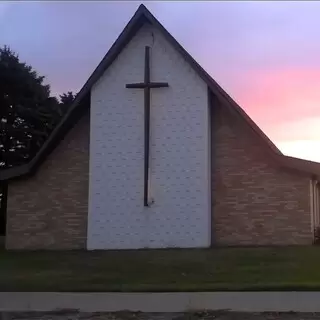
266,55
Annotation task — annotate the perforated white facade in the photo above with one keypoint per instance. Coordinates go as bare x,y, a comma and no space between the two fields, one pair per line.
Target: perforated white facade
179,153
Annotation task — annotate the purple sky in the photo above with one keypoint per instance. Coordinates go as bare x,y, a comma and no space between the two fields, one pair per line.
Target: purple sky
266,55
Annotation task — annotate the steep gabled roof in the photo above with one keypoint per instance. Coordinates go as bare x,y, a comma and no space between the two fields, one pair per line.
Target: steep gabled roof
82,100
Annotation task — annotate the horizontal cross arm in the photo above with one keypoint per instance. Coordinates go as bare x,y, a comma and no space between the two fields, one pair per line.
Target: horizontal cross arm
142,85
139,85
158,85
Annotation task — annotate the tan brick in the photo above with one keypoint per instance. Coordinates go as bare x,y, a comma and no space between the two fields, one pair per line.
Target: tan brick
255,202
49,210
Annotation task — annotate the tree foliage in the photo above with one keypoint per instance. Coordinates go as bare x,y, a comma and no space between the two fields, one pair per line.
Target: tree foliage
66,100
21,95
28,113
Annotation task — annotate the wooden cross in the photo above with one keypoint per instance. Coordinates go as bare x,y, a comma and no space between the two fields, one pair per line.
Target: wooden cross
146,85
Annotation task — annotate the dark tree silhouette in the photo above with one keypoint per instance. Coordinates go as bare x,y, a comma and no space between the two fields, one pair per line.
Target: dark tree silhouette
66,100
28,113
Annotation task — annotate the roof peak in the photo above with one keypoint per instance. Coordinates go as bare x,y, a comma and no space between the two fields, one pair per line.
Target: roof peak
142,6
142,9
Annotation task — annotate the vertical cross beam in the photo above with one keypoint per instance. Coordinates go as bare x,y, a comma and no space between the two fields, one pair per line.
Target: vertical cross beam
146,125
146,85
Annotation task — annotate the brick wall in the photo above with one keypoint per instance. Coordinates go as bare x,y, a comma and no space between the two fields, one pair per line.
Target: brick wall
254,201
49,210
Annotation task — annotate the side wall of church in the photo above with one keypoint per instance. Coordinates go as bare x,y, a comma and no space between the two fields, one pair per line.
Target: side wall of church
255,202
49,210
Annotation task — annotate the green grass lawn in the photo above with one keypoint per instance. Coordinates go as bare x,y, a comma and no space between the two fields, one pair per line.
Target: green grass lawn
291,268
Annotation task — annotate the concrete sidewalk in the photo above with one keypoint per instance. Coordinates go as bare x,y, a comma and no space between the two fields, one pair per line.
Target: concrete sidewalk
162,302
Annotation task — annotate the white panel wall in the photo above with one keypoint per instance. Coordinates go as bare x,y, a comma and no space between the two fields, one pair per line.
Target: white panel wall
180,168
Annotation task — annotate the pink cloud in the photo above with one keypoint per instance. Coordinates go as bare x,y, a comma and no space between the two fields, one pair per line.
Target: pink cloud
273,97
285,103
280,95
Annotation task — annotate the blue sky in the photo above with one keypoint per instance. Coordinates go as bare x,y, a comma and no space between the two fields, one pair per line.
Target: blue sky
266,55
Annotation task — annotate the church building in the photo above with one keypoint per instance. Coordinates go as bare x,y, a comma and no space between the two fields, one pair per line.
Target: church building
155,154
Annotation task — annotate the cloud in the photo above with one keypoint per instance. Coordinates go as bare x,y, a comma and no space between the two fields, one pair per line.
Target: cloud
300,129
280,95
264,54
304,149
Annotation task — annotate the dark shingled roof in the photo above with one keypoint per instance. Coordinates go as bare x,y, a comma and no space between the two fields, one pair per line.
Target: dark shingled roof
82,102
